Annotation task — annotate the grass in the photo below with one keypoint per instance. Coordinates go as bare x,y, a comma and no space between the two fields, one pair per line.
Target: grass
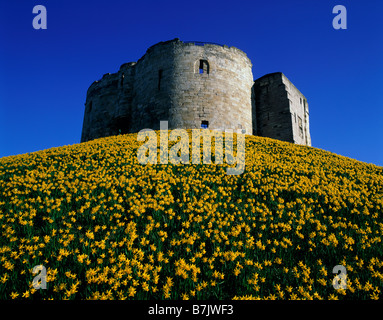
106,227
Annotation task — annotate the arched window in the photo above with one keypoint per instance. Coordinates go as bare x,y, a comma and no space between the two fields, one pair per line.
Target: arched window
203,67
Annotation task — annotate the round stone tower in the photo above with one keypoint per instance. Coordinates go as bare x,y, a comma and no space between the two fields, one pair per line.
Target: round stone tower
189,84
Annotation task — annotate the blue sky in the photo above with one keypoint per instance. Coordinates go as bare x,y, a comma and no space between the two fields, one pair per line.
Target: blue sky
44,74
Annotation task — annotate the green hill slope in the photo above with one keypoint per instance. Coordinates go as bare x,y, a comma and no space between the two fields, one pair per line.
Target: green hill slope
106,227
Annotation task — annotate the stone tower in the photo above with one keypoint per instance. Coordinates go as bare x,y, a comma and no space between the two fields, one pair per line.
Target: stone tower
194,85
280,110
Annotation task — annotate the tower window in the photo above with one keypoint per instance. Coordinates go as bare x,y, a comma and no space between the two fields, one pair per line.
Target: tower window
300,125
90,106
159,79
204,124
203,67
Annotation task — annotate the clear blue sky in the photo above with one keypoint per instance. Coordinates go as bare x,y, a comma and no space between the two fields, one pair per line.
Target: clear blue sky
44,74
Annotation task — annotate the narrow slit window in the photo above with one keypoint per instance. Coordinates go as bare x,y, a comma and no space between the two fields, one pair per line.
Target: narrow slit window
90,106
300,125
204,124
159,79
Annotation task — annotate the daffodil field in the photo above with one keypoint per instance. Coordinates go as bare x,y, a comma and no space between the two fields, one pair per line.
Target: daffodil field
106,227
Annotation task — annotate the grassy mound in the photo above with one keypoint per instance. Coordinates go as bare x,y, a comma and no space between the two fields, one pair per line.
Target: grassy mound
106,227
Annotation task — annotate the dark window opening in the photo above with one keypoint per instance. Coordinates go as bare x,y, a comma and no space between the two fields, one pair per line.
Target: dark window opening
90,106
121,125
204,124
300,125
159,79
203,67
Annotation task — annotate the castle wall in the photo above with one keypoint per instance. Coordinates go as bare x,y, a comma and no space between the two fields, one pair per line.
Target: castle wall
220,95
194,85
153,87
167,84
100,107
123,104
299,113
281,110
272,107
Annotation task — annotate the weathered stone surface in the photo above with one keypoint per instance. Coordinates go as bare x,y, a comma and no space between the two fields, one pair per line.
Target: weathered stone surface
186,84
280,110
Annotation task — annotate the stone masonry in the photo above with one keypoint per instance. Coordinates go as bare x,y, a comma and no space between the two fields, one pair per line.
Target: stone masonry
195,85
280,110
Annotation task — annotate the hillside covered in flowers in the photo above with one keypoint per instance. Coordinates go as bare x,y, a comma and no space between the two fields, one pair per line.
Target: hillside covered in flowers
107,227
